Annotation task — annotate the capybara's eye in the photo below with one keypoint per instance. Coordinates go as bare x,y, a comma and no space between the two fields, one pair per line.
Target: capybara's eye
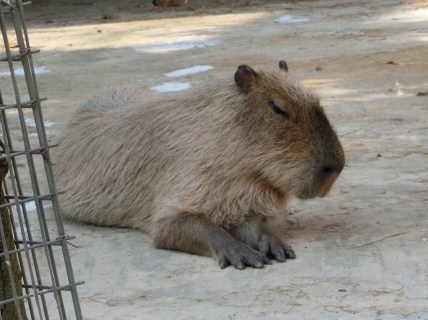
278,110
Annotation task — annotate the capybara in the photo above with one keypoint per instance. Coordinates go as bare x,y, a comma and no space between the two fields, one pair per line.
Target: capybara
200,172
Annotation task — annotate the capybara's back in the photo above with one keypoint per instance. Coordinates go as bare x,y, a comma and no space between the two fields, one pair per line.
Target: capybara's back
199,172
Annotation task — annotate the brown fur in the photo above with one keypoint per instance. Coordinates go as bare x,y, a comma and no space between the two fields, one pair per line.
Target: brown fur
199,172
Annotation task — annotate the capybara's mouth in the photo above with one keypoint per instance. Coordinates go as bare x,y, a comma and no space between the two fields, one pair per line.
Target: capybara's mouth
305,196
317,190
311,195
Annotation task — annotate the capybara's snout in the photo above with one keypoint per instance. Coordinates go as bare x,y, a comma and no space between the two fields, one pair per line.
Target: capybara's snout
328,173
332,158
327,160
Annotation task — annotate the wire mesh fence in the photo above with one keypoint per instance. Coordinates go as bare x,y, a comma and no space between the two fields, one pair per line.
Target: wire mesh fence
37,280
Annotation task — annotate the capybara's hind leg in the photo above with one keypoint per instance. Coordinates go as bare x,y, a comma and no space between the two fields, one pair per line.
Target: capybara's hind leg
256,235
194,234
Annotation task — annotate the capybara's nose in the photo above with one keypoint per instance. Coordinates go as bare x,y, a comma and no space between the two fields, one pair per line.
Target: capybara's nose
330,169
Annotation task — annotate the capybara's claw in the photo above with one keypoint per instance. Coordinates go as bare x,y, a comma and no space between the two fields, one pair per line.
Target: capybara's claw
273,247
241,256
289,252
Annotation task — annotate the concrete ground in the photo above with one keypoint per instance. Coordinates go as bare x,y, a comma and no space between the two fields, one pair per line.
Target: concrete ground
362,251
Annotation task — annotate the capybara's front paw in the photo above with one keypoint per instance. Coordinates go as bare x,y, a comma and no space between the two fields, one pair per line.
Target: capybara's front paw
274,248
240,256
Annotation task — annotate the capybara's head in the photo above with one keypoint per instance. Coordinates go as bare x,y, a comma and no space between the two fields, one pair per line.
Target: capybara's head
294,147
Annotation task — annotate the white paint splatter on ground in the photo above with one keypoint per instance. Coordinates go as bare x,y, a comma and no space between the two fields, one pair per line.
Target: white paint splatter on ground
20,230
290,19
31,206
31,123
399,89
20,71
187,71
171,86
35,134
175,46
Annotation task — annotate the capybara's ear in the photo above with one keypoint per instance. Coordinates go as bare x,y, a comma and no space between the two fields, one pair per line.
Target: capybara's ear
283,65
245,77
